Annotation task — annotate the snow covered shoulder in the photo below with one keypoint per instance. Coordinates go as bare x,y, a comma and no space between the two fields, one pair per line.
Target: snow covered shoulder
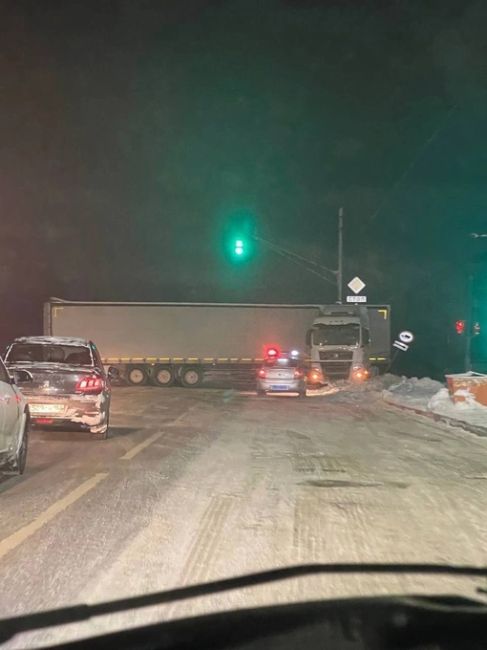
433,398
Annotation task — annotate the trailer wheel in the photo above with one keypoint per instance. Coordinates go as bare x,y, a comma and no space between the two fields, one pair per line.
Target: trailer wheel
163,376
191,377
137,376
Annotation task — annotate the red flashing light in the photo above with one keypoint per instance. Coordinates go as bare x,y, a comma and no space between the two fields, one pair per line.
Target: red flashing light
460,326
272,351
92,385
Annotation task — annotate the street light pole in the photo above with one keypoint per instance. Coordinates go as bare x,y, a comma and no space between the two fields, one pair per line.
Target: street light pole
340,257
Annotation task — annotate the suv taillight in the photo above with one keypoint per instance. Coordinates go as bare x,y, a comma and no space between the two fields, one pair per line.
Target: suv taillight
91,385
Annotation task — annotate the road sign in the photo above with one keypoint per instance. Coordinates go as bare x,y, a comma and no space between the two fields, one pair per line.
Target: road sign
404,340
356,298
356,285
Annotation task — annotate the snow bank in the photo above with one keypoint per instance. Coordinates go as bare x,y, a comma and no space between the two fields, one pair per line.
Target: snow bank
469,411
431,396
413,392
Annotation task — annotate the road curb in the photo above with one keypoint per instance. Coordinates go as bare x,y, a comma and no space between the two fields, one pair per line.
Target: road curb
452,422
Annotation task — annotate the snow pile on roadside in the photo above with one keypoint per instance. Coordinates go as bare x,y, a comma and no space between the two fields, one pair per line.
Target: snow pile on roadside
413,392
431,396
469,411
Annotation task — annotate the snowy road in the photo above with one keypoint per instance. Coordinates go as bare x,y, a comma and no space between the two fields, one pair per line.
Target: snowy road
196,485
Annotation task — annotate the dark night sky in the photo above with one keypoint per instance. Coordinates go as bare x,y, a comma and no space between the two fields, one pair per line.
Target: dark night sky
136,135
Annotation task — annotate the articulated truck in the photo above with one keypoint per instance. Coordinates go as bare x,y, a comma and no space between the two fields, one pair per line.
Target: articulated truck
167,343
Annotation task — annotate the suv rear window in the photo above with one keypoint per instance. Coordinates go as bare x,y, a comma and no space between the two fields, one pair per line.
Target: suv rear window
76,355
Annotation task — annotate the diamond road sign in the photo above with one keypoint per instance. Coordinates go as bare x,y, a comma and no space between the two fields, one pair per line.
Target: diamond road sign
356,285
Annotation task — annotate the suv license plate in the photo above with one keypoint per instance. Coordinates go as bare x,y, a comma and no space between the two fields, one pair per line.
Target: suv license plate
42,409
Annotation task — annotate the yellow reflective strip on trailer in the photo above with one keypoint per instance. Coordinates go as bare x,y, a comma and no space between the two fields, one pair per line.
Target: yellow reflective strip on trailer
245,359
124,358
223,359
208,359
151,358
178,358
193,358
163,358
381,358
138,359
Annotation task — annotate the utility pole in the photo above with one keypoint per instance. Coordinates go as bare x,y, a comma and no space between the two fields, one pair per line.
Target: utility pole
309,265
340,257
469,325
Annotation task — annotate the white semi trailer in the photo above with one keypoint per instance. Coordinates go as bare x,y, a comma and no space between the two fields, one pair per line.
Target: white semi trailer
163,343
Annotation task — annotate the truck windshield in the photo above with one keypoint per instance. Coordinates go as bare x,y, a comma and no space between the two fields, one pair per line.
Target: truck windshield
39,353
348,334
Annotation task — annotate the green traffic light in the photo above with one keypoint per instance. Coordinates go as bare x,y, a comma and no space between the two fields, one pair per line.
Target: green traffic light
239,247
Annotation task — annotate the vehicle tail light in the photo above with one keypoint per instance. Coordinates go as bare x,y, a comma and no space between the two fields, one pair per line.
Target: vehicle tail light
261,373
298,374
43,420
92,385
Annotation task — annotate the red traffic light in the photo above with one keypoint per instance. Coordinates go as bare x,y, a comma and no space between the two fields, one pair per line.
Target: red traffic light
460,326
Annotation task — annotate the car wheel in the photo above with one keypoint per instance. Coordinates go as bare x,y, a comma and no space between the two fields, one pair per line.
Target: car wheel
22,458
191,377
163,376
137,376
17,465
101,432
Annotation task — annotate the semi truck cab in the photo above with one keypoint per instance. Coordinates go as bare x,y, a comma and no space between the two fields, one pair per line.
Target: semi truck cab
339,341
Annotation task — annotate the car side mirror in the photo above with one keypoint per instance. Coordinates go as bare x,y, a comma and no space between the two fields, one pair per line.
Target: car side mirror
113,373
21,376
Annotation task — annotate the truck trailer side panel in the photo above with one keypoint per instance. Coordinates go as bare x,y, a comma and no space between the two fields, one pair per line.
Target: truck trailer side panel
138,331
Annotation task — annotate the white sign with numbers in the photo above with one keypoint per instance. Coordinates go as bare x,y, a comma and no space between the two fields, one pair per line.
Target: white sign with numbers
356,298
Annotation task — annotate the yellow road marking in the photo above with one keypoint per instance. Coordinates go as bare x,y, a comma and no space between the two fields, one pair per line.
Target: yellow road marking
15,539
142,445
155,436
